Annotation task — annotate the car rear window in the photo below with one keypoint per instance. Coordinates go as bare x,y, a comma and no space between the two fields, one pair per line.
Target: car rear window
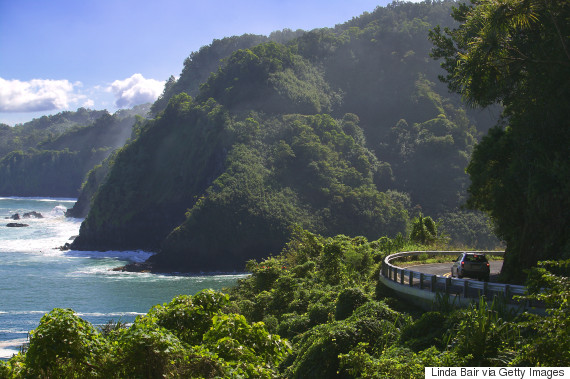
475,258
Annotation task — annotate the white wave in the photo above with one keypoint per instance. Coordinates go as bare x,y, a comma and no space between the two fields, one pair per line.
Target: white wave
111,314
137,256
41,237
10,347
13,331
13,343
108,271
65,199
24,312
41,246
8,353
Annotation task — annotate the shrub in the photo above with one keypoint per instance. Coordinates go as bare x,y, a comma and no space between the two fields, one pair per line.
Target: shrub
549,283
484,336
427,331
233,339
319,313
395,362
64,345
348,301
317,351
293,324
189,317
148,350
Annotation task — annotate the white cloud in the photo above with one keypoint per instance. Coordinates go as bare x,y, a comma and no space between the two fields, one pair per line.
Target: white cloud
135,90
88,104
36,95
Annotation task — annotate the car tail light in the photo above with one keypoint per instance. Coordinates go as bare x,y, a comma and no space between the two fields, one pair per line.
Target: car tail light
487,264
462,263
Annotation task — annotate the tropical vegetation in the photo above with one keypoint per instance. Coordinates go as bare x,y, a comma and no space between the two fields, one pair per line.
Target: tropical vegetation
340,130
310,158
51,155
315,310
517,53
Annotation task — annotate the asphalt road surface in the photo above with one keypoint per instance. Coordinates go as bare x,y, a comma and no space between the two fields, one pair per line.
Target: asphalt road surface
444,269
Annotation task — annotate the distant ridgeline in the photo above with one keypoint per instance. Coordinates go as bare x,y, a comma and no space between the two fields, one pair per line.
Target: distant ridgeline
340,131
51,155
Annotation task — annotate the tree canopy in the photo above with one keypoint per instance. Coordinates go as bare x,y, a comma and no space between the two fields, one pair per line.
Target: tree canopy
338,130
516,53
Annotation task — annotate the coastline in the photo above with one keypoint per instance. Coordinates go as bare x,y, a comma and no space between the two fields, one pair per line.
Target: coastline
148,267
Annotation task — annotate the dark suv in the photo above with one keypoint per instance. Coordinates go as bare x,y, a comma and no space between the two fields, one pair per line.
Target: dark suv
473,265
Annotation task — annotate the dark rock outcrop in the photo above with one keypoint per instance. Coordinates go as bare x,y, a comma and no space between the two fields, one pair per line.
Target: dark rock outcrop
16,225
136,267
32,214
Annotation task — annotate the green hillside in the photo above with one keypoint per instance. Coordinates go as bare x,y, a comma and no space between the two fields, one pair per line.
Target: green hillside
341,130
51,156
300,155
29,134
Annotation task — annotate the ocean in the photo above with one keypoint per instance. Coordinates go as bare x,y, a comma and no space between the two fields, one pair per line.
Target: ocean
35,276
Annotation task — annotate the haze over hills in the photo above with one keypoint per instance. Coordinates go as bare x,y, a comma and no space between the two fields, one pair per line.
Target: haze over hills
338,130
342,130
51,155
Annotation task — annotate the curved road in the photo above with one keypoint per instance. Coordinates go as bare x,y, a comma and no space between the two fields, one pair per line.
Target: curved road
444,269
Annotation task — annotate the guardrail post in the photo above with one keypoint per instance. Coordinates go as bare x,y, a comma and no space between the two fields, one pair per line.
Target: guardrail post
467,288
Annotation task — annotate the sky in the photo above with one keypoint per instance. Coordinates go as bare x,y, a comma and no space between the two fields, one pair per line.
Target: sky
60,55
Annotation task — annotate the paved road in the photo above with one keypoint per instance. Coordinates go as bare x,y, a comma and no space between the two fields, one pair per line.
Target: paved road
444,269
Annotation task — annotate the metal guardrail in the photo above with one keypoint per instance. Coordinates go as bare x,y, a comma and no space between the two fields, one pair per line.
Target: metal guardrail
434,283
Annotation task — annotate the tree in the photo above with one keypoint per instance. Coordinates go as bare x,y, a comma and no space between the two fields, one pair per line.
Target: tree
424,230
516,53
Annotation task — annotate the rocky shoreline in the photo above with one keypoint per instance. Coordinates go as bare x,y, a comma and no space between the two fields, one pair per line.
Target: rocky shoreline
136,267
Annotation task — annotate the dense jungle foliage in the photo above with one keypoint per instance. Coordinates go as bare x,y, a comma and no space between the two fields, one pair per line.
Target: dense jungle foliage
50,156
339,130
282,147
517,53
30,134
316,310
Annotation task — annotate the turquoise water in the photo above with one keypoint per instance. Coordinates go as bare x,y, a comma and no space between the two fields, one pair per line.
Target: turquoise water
36,277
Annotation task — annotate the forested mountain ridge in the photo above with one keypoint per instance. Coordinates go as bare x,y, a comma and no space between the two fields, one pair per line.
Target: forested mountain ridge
317,309
200,64
29,134
50,156
342,130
